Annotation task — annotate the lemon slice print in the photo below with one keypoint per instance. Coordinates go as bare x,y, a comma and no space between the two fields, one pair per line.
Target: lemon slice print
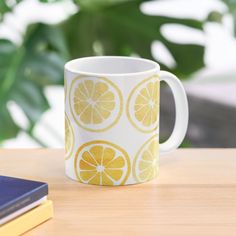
145,164
102,163
143,105
69,138
95,103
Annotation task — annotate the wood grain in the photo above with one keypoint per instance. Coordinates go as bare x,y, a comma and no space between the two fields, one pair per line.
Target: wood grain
195,194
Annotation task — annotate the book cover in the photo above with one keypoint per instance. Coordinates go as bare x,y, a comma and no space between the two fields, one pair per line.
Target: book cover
17,193
28,221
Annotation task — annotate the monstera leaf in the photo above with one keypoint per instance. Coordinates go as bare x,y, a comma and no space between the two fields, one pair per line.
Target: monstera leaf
24,72
120,28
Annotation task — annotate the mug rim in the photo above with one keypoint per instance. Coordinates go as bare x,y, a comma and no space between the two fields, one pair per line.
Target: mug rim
155,66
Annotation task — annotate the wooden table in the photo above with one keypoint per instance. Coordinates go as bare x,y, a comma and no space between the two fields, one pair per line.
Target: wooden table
195,194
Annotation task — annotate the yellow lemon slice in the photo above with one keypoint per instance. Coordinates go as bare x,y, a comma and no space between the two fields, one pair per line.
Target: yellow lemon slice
102,163
69,138
145,164
95,103
143,105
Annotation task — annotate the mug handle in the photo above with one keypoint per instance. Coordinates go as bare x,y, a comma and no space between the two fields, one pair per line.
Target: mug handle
181,111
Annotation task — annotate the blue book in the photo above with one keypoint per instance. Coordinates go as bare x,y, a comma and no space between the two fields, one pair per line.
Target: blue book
16,194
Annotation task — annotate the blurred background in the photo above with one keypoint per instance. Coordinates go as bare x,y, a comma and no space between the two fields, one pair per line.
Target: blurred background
196,40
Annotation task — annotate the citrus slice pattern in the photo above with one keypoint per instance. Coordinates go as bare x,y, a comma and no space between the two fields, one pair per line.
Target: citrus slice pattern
143,105
102,163
145,164
95,103
69,138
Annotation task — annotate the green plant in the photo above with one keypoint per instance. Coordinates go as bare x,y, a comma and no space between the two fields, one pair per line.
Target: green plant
232,10
25,71
106,27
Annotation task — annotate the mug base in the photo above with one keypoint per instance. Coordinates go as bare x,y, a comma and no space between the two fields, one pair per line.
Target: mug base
128,183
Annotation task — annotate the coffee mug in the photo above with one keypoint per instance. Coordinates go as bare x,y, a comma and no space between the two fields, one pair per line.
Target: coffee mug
112,119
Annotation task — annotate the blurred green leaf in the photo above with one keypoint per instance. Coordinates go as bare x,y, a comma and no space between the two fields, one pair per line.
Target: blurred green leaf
215,16
26,70
122,29
4,7
7,6
8,128
49,1
232,10
92,5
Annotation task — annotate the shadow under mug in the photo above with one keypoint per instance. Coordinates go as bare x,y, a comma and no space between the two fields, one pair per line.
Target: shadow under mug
112,119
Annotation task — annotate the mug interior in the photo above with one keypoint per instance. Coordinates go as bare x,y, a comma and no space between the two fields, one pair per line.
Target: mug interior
111,65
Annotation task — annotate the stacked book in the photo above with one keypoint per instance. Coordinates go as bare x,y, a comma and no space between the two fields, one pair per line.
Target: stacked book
23,205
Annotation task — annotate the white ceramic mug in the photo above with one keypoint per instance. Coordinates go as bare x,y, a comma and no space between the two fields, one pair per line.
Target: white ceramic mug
112,119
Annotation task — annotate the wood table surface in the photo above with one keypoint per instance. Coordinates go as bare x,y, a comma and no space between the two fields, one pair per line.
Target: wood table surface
194,194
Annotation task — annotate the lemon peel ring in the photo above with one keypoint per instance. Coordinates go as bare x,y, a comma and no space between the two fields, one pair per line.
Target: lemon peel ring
96,103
